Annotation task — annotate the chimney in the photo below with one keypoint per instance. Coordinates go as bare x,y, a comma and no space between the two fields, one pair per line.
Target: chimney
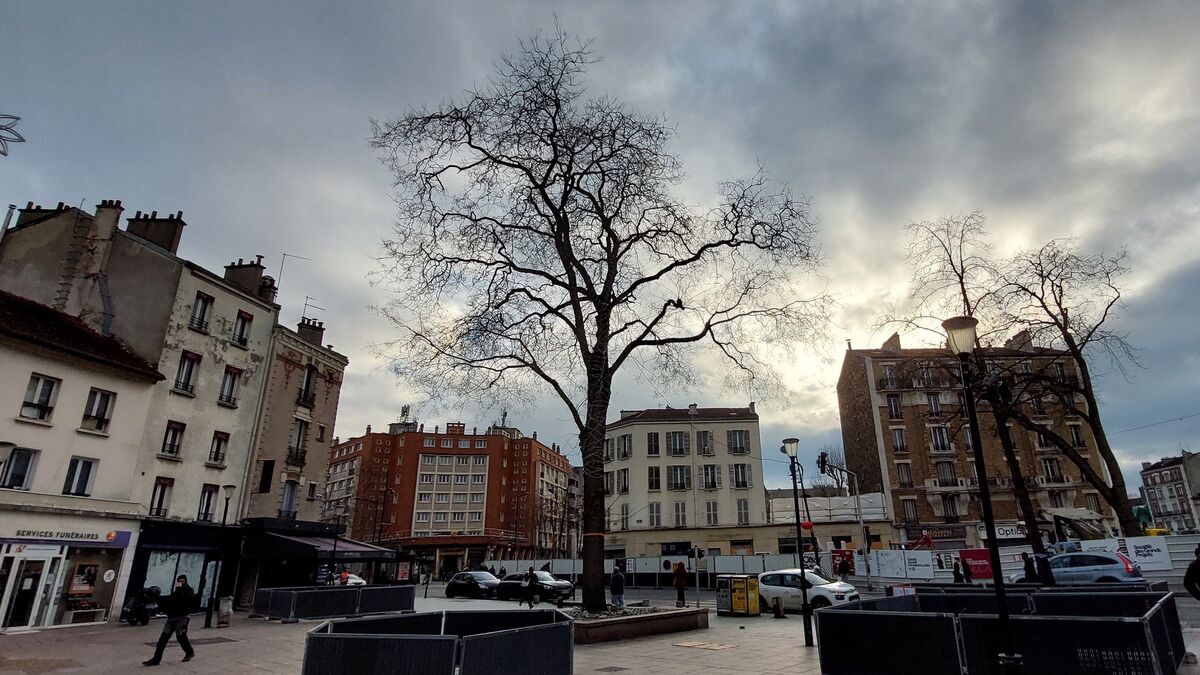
396,428
1145,465
752,411
311,331
162,232
693,410
892,344
246,276
368,429
267,289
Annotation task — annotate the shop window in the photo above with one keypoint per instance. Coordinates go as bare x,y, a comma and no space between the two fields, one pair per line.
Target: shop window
86,596
40,396
81,473
18,470
98,411
160,498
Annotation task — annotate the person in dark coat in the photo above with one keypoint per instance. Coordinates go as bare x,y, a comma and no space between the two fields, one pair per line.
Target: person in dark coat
966,571
680,583
1045,574
958,571
616,587
843,569
530,586
1191,579
503,572
177,607
1031,574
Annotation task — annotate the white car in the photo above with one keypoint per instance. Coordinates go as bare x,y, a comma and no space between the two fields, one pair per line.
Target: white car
786,584
351,580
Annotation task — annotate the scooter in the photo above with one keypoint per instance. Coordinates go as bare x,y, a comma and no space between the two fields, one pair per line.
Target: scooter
141,606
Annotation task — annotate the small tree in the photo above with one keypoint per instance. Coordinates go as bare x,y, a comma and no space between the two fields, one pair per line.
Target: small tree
540,246
836,458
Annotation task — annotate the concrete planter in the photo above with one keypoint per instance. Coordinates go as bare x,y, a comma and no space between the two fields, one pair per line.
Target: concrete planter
591,631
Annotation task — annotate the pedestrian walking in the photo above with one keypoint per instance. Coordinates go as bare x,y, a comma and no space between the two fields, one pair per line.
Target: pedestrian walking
492,570
530,586
1045,575
616,587
177,606
1191,579
680,583
966,571
1031,574
843,569
503,572
958,571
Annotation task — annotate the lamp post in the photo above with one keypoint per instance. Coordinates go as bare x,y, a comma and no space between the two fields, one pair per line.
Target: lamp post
212,597
960,334
789,449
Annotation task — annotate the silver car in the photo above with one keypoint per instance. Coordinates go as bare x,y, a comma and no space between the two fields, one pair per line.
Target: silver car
1091,567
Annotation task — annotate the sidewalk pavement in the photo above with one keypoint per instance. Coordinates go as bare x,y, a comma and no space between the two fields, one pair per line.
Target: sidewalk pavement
731,646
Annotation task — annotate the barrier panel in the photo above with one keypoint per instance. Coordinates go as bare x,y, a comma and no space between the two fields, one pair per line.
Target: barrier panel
436,643
291,604
853,642
373,600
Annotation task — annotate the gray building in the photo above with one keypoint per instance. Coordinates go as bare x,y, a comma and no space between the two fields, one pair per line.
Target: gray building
1170,488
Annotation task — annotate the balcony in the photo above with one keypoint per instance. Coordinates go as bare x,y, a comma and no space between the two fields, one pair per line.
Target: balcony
184,388
158,512
198,323
952,519
887,384
170,450
308,399
1053,480
296,456
942,449
945,483
227,400
240,340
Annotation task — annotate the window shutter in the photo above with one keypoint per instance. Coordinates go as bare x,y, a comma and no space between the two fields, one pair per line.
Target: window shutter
687,477
687,442
732,475
729,440
749,475
717,472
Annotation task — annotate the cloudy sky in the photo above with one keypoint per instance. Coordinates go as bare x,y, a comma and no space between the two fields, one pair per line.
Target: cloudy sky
1054,119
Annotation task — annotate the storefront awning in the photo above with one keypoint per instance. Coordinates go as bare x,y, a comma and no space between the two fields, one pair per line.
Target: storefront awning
274,545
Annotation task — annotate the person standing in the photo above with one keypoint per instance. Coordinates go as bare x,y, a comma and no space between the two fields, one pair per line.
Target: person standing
503,572
958,571
966,571
1191,579
843,569
616,587
1031,575
1045,574
680,583
178,606
530,586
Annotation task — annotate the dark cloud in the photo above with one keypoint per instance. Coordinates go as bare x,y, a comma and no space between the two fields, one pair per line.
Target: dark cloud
1054,118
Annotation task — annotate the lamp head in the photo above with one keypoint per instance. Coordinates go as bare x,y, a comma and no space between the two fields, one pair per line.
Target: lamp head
960,333
791,446
228,488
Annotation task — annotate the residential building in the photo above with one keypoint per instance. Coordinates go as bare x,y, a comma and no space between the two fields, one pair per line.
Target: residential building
905,434
208,333
683,473
1169,486
73,408
295,430
452,498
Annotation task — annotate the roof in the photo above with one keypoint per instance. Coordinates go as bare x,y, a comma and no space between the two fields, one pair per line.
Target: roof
944,352
27,321
1162,464
684,415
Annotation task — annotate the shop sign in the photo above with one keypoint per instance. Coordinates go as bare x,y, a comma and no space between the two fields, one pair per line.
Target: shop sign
97,537
1003,531
936,532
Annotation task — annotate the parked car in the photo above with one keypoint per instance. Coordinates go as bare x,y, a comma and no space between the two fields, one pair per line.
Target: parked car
546,587
472,585
822,592
351,580
1090,567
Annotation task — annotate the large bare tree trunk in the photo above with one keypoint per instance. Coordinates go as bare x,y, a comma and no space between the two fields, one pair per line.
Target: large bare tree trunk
1020,488
591,443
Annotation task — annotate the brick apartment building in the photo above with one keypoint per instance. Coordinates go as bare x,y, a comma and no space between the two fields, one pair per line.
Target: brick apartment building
452,498
904,432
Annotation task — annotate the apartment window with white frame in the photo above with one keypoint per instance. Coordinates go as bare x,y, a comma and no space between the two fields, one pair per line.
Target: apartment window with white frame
680,514
889,375
440,517
653,478
460,499
741,476
1043,441
40,395
679,477
229,386
1077,436
608,483
160,498
426,478
940,438
428,459
81,473
422,516
478,479
445,460
900,440
17,472
624,516
463,460
904,474
424,497
458,516
623,481
172,443
460,479
1056,499
704,442
98,410
443,479
208,498
428,443
1093,502
241,328
711,477
1052,470
945,474
743,511
625,446
738,441
216,449
710,512
950,506
447,443
655,514
893,404
476,516
910,510
186,374
480,460
480,443
464,443
678,443
442,498
477,498
652,449
935,403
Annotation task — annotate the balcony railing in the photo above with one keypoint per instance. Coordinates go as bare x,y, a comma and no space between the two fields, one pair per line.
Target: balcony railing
952,519
287,515
158,512
307,399
198,323
216,458
948,482
169,449
227,399
36,411
186,387
94,423
941,449
296,456
241,339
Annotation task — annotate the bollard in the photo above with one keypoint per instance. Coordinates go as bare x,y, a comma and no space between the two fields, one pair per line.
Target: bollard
224,612
777,607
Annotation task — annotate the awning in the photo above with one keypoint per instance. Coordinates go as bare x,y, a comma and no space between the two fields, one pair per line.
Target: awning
274,545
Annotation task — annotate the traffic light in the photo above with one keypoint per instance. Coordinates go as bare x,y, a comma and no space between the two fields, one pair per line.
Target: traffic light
823,462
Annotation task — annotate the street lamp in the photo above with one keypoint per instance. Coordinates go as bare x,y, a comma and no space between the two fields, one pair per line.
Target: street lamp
961,336
789,449
212,598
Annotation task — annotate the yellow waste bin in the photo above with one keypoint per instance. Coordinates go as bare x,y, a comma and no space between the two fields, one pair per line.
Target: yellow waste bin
737,594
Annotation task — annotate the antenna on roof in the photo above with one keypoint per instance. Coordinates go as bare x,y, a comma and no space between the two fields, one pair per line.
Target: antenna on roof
308,302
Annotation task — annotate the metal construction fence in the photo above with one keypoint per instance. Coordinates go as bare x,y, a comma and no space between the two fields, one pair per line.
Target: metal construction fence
306,602
496,642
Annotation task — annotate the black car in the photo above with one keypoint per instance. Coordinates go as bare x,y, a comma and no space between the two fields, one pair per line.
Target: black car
546,587
472,585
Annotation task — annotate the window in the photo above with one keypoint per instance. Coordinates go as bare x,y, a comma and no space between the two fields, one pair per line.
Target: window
678,443
680,514
893,402
160,498
426,478
623,481
18,470
185,376
889,376
458,516
740,475
1051,470
480,443
299,434
241,328
477,479
679,477
445,460
1043,441
738,441
208,496
428,459
1056,499
945,474
1077,436
422,516
710,513
429,443
173,439
98,411
320,432
743,511
608,483
941,439
267,476
80,474
476,516
1039,405
910,510
935,403
463,460
625,446
439,517
480,460
477,498
464,443
711,477
899,440
312,491
424,497
460,479
1093,502
229,386
652,444
460,499
655,510
442,498
216,451
609,452
1060,371
39,397
704,443
200,311
653,479
624,523
904,474
950,506
447,443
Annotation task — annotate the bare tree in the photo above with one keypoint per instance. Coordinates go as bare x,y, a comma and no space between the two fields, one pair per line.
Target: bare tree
1067,300
836,458
540,246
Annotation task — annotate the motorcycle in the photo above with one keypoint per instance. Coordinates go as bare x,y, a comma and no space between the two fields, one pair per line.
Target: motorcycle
141,606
